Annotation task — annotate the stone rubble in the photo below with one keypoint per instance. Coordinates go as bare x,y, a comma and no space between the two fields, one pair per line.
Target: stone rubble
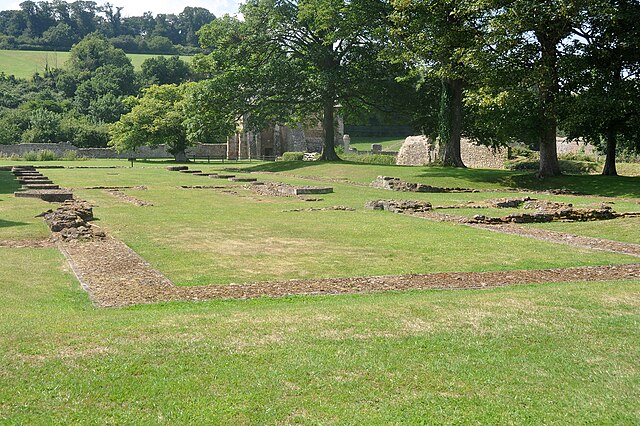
399,206
71,220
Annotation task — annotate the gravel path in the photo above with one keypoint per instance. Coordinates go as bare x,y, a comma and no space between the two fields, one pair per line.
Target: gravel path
114,275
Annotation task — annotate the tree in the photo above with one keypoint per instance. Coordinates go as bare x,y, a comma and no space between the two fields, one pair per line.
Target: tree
156,118
603,97
292,59
161,70
95,51
527,40
436,35
190,20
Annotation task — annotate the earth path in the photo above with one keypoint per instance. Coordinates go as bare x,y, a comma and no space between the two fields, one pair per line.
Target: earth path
114,275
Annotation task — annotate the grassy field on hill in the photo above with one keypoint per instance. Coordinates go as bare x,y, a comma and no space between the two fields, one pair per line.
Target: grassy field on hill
548,353
24,63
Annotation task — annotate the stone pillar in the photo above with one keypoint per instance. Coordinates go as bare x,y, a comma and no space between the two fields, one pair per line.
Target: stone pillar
232,147
376,148
243,146
277,147
346,143
299,140
259,152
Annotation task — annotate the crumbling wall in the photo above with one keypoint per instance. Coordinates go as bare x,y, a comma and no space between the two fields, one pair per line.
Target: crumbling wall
212,150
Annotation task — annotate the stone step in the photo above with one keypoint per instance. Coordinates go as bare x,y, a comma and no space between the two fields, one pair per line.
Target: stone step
221,176
33,173
191,171
42,181
40,186
14,168
177,168
242,179
27,177
50,195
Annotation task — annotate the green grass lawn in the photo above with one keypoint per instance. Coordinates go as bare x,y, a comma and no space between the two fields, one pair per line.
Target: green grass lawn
363,143
199,237
24,63
552,353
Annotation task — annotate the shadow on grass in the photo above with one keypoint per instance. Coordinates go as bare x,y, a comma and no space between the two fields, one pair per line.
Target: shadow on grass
8,223
8,183
607,186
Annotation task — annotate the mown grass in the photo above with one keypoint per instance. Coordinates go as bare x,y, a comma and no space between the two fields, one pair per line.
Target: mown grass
363,143
205,236
554,353
25,63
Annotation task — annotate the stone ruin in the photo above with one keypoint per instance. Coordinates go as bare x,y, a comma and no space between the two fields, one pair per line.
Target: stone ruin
416,151
421,151
396,184
278,189
399,206
71,220
551,211
36,185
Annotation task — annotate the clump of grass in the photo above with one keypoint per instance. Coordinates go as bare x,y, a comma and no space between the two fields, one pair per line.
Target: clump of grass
292,156
70,155
43,155
380,159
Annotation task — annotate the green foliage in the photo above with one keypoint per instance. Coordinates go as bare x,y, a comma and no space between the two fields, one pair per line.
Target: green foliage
292,156
161,70
156,118
44,127
93,52
41,155
289,60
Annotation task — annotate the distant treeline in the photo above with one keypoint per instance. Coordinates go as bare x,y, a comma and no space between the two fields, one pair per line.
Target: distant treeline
57,25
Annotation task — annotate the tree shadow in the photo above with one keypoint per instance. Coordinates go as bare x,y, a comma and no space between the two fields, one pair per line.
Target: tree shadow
8,183
9,223
598,185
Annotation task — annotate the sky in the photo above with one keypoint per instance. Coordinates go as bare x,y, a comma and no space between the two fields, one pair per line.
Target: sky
138,7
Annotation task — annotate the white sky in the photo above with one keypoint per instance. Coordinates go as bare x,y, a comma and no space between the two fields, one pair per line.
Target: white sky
138,7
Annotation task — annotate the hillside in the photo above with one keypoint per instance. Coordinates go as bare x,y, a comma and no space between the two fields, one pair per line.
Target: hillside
24,63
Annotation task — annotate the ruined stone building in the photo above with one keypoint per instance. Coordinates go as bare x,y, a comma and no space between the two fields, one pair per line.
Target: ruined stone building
278,139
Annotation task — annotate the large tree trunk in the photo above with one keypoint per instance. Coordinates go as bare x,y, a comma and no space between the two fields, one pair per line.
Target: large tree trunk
328,149
451,122
610,162
181,157
548,91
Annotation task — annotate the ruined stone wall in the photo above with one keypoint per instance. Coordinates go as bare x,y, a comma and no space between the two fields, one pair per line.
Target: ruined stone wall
482,157
212,150
417,150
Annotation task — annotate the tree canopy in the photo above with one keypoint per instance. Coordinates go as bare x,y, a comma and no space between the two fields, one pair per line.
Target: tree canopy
292,59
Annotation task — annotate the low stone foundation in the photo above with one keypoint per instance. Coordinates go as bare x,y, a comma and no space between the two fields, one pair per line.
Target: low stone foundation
395,184
399,206
278,189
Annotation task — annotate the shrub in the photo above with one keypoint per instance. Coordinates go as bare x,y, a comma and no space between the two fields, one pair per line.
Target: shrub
47,155
380,159
30,156
70,155
292,156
